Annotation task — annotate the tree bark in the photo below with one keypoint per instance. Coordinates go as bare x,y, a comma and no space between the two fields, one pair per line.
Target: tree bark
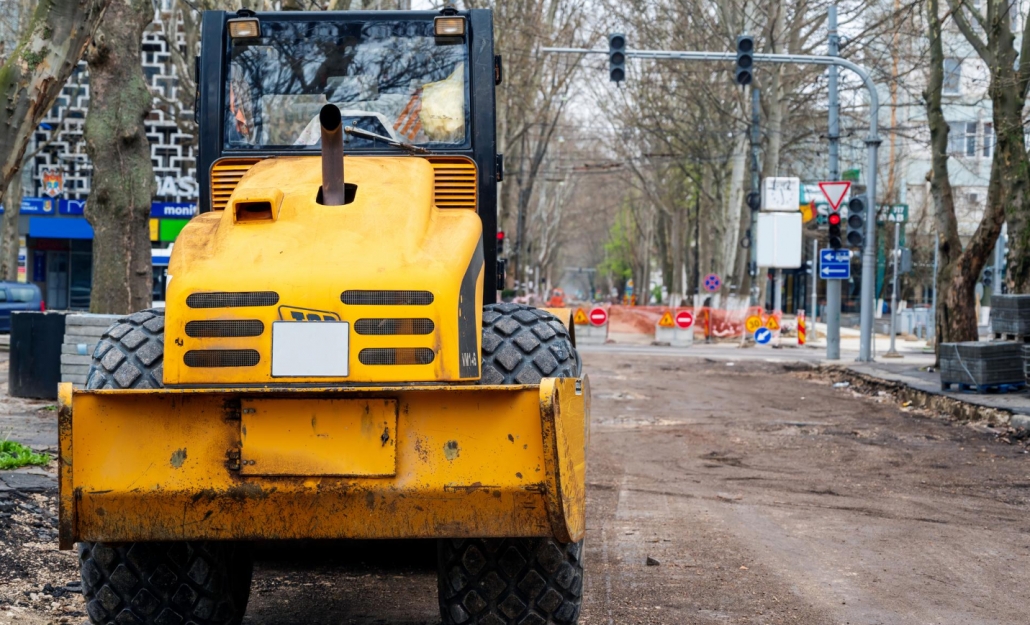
34,74
9,247
123,175
959,269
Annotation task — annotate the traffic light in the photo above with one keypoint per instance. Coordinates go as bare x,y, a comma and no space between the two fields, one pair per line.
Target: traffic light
500,242
836,242
745,59
988,276
858,212
617,57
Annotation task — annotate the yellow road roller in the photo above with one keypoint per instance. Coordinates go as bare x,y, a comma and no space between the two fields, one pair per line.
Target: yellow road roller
332,362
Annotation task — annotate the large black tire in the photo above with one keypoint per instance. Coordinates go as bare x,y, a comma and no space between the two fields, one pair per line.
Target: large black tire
204,583
516,581
130,354
510,581
522,345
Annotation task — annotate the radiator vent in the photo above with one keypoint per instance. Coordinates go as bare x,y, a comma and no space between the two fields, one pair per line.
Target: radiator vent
225,175
387,298
232,300
393,326
221,358
228,328
454,182
396,356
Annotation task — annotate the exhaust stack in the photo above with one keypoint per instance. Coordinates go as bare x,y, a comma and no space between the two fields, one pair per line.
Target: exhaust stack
333,191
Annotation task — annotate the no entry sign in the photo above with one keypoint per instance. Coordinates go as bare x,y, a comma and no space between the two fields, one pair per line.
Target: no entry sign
684,319
598,316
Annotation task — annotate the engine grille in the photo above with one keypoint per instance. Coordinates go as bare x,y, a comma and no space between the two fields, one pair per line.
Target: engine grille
227,328
225,175
454,182
221,358
397,356
232,300
393,326
387,298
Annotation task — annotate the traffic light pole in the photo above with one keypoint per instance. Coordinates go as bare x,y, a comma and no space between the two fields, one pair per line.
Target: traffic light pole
833,285
872,145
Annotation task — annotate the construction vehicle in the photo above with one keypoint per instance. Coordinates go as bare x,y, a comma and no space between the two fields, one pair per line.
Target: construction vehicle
331,362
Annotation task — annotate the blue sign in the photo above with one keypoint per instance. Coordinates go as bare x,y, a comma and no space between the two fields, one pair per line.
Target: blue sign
763,336
834,264
71,207
173,210
712,283
36,206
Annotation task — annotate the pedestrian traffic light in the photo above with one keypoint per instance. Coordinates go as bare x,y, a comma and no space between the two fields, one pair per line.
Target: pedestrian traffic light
617,57
745,59
500,242
836,242
858,211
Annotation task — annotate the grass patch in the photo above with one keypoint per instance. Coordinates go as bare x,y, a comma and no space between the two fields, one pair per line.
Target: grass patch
14,455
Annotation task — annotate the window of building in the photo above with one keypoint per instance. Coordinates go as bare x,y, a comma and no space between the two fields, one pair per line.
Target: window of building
956,138
952,76
988,140
971,139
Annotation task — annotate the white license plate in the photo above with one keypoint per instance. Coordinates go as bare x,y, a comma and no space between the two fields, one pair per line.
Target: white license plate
310,348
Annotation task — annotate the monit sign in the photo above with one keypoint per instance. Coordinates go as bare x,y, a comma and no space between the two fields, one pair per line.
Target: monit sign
181,186
173,210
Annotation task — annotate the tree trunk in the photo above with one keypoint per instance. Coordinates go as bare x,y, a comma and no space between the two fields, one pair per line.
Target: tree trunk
123,175
959,269
9,244
34,74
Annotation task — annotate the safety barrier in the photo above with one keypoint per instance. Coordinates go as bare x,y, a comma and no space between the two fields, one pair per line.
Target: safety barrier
645,324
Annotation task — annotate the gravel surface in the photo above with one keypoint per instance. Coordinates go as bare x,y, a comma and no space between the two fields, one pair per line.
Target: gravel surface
718,492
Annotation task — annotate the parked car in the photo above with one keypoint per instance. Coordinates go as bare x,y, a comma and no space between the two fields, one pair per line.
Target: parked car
16,296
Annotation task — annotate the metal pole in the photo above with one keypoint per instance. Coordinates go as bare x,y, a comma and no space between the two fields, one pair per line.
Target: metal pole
933,296
999,259
872,144
815,284
896,254
833,286
756,140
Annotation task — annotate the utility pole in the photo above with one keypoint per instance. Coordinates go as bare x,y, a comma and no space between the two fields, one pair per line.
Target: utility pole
833,285
815,285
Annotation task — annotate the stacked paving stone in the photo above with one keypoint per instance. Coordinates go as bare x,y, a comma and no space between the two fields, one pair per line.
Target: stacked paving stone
1010,317
81,335
983,366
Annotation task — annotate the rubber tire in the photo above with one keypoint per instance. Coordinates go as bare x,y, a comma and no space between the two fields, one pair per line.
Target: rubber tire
510,581
205,583
523,581
522,345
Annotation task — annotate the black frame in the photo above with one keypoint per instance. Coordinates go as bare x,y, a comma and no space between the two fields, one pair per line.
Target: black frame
482,105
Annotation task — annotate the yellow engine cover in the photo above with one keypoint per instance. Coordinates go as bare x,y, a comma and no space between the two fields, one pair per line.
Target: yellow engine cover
400,279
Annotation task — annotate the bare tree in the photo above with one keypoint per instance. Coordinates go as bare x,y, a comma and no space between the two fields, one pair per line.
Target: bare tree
959,268
123,174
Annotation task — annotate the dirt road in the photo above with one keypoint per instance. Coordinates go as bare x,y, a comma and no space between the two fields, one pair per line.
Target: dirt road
757,493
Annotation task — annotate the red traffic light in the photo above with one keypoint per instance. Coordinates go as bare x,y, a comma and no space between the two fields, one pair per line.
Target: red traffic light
500,234
833,219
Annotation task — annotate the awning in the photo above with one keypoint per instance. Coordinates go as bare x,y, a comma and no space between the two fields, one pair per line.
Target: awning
60,228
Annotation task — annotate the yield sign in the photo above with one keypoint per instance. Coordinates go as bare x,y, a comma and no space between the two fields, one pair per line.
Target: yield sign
835,192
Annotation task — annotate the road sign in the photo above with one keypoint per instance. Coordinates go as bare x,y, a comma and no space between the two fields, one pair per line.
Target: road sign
684,319
580,318
772,324
781,194
763,336
753,323
835,191
598,316
666,320
895,212
712,283
834,264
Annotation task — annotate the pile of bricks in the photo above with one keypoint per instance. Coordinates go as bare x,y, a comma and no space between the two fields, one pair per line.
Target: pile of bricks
81,334
1010,317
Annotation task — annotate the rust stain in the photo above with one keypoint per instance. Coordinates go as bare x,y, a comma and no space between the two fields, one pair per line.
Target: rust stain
178,457
450,450
511,438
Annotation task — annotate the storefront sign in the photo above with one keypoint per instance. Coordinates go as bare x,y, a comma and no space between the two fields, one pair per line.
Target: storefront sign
172,186
38,206
71,207
173,210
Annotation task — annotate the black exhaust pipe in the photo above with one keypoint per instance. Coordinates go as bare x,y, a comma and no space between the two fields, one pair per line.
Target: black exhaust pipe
333,189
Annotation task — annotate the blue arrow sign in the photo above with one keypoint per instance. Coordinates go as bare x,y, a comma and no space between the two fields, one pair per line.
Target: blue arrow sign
763,336
834,264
